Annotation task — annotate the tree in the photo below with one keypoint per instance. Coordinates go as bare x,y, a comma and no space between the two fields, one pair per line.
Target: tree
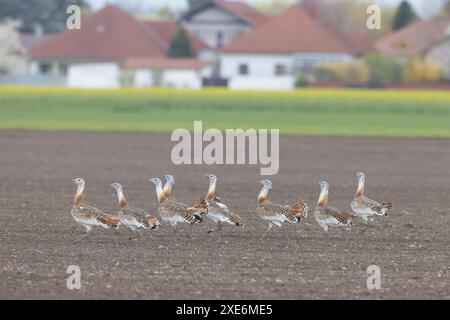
446,9
383,69
181,45
419,71
404,16
350,16
196,3
12,53
50,14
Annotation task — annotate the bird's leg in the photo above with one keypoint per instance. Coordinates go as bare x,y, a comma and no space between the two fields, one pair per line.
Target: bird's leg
367,224
190,230
218,228
267,231
286,232
85,236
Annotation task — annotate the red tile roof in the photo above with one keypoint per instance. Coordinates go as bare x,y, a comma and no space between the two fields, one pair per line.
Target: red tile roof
107,34
414,38
243,11
110,34
237,8
164,31
356,43
290,32
164,63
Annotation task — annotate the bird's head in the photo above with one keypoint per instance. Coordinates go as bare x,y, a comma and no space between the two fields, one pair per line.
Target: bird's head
266,183
79,182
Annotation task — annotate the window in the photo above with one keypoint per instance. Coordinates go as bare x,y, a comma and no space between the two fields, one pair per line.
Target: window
45,68
63,69
280,70
243,69
219,39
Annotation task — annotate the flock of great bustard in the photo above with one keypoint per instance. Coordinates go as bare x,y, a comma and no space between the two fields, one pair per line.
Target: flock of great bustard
212,207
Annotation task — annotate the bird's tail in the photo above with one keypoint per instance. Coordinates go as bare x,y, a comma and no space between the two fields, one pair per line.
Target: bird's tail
153,222
199,208
300,210
111,220
237,220
387,205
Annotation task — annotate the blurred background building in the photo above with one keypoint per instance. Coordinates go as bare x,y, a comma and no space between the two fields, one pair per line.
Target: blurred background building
278,44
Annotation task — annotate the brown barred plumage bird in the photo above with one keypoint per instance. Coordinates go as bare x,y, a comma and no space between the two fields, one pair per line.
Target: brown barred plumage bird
217,211
89,216
327,216
167,189
275,213
174,212
133,218
364,207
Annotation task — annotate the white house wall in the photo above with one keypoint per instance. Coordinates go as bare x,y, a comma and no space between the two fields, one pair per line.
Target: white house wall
206,24
258,65
262,68
180,79
143,78
94,75
440,55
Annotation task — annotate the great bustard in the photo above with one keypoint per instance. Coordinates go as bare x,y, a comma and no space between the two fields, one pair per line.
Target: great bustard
89,216
175,212
364,207
275,213
218,211
133,218
327,216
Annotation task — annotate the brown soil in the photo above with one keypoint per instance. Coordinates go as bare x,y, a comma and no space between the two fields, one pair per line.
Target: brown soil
411,245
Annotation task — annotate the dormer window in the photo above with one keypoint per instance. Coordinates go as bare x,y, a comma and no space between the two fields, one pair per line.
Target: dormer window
219,39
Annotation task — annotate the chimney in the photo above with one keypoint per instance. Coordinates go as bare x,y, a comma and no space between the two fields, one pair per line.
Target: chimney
38,31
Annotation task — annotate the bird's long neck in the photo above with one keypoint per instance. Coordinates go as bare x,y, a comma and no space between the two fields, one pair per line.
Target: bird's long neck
211,190
79,195
263,194
323,197
168,189
160,193
121,198
360,189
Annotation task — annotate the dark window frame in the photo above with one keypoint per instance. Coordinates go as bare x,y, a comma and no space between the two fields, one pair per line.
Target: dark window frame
280,70
243,69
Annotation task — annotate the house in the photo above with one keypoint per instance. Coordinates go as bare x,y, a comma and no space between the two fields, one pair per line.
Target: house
413,39
218,22
439,54
93,56
164,72
427,39
275,53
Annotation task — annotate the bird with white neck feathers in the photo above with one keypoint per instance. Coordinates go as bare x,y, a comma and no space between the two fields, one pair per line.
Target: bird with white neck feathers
275,213
167,189
89,216
175,212
133,218
364,207
327,216
217,211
